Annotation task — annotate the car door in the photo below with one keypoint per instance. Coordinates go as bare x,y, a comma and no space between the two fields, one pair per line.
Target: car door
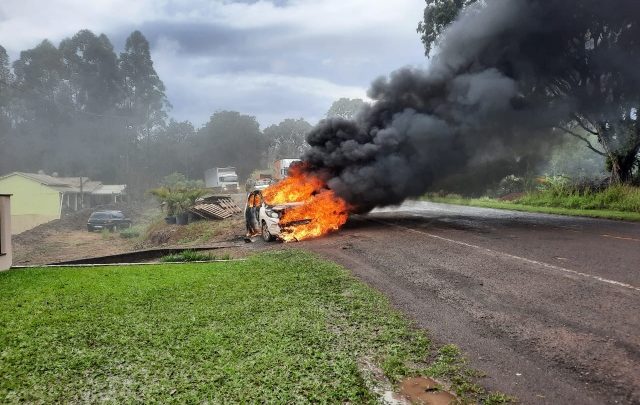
250,213
258,205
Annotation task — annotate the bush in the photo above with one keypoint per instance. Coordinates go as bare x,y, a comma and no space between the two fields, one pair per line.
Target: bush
129,233
509,185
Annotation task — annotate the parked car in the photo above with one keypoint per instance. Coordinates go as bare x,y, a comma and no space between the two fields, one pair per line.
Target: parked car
111,220
262,218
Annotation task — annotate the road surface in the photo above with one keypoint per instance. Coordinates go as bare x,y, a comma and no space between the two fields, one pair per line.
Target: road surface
547,306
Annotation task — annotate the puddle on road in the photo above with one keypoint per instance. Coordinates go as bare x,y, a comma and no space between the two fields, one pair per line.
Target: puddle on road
423,390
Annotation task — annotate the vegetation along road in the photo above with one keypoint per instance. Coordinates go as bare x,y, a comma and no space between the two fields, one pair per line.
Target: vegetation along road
546,305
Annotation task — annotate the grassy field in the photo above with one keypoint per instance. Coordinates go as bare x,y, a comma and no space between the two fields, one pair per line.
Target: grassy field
617,202
281,327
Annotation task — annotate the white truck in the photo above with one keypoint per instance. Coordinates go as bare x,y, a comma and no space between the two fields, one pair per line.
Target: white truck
225,178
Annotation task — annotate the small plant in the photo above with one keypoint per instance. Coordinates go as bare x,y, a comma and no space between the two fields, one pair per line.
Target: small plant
129,233
497,398
177,194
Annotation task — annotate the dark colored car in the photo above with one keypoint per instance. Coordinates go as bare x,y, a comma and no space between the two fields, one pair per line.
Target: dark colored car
111,220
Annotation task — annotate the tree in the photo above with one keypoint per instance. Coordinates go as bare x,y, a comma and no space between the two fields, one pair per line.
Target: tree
345,108
590,60
287,139
92,69
173,149
145,100
145,104
41,106
38,79
231,139
438,14
6,80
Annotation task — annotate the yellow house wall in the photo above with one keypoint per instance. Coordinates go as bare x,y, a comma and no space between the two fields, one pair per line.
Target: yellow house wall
32,203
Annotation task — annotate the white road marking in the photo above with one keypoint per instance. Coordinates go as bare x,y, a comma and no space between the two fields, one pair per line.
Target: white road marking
524,259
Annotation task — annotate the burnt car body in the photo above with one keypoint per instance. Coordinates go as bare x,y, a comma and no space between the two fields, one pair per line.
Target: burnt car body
111,220
264,219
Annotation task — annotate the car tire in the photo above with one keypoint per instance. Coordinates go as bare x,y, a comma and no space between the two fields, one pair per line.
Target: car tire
266,235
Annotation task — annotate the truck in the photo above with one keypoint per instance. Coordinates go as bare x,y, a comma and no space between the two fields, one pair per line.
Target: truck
281,168
224,178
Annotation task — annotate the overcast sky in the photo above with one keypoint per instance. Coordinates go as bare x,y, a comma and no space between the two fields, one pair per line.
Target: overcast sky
273,59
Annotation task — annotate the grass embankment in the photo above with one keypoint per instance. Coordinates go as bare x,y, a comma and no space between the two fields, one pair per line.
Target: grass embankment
615,202
195,233
280,327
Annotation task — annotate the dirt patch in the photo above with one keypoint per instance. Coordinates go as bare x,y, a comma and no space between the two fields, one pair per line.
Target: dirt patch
67,239
50,247
424,390
75,221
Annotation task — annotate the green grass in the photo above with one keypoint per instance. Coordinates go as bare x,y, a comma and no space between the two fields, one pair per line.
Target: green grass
535,203
282,327
617,198
192,256
130,233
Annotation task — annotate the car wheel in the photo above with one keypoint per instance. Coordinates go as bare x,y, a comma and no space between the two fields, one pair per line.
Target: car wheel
266,235
113,228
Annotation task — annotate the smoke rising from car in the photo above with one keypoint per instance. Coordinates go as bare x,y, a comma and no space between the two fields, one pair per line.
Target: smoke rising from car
470,115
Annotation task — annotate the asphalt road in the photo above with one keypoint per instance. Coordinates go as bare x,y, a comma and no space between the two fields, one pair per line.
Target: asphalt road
547,306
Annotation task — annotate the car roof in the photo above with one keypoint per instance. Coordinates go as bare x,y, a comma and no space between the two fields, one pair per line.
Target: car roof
107,212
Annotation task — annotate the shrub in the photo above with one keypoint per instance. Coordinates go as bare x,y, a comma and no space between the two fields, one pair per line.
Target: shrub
129,233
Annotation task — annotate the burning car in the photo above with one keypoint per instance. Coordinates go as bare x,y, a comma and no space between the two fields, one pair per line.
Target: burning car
265,219
299,207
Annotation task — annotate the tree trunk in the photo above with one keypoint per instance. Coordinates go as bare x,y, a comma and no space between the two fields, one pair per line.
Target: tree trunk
621,141
622,165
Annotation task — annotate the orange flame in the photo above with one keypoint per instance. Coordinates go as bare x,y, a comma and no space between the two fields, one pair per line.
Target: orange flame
321,212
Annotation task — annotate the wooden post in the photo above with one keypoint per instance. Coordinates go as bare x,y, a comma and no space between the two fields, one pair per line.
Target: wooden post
6,258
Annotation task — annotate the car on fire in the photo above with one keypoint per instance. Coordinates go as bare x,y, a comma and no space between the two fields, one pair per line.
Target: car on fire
264,219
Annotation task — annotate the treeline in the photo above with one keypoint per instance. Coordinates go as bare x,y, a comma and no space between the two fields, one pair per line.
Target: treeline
80,109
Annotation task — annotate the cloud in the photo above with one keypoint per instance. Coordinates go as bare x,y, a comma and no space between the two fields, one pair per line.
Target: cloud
271,59
270,97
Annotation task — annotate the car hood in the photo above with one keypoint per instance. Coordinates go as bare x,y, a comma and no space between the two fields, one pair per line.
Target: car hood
282,207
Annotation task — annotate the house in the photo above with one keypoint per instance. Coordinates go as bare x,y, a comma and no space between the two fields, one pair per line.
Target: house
39,198
5,232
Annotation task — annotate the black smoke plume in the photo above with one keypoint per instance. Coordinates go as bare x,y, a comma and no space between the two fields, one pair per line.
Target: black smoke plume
474,114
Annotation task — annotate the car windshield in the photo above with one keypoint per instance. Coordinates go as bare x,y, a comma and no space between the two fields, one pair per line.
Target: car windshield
229,178
100,215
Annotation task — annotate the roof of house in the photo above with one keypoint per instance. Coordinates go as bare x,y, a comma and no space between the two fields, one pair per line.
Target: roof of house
109,189
70,184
